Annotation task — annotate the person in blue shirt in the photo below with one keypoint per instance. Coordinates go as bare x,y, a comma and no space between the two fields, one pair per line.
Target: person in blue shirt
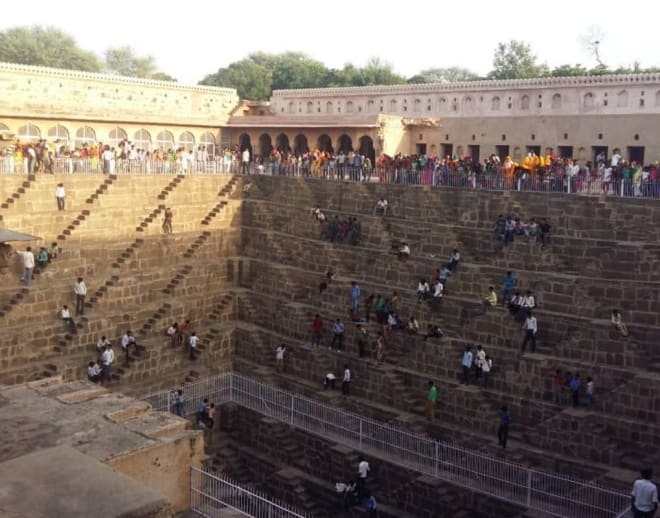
355,295
370,504
503,429
575,385
466,364
509,284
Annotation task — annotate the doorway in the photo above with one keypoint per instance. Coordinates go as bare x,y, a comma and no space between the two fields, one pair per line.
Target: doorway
534,149
636,154
447,150
502,152
421,149
473,151
598,153
565,151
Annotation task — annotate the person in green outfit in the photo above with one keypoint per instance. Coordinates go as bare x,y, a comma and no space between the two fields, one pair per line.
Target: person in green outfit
431,398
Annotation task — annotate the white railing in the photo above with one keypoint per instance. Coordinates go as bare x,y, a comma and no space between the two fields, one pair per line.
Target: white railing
549,492
212,492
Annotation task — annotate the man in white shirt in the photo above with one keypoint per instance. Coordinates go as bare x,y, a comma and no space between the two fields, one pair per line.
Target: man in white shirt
28,265
127,341
381,207
101,346
245,161
644,496
193,341
329,381
530,327
107,359
59,196
279,357
346,381
616,158
404,251
454,259
363,471
173,332
93,372
527,304
80,289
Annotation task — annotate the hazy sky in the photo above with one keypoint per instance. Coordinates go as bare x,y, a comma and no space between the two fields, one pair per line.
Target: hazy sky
190,40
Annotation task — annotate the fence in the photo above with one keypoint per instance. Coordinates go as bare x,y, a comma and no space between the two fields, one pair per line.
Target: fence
211,492
553,493
644,187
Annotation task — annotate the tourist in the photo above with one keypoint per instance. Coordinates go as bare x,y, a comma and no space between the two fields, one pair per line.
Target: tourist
173,333
245,161
60,196
108,358
42,258
28,265
338,334
431,398
479,359
354,295
486,369
80,291
53,250
514,304
346,381
436,297
454,259
381,207
575,385
489,301
101,345
466,364
644,496
184,332
368,305
558,383
423,290
503,429
412,326
317,330
508,285
371,505
527,304
193,342
329,381
362,340
617,322
544,233
279,358
203,413
589,392
65,315
167,221
531,328
433,331
178,402
363,471
93,372
128,340
404,251
210,416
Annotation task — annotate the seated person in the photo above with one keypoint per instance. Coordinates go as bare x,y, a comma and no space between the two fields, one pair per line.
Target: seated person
423,290
93,372
53,250
445,272
393,321
413,326
42,258
65,315
329,382
490,301
433,331
454,259
381,207
617,322
404,251
531,229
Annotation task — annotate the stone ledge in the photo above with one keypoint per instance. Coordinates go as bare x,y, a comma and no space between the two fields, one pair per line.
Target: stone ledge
81,395
130,412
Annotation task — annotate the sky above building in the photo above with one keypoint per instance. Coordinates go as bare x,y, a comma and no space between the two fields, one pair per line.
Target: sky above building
191,40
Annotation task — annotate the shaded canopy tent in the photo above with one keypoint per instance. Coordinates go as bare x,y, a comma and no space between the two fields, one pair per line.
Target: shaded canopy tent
7,235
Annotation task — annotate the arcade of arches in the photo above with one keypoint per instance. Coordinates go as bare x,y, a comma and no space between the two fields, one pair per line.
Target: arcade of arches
262,144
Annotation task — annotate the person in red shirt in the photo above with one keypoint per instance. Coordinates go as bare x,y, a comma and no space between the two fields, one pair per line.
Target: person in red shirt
317,330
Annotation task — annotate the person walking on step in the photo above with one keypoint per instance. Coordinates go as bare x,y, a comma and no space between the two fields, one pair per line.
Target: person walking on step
167,221
193,342
363,471
617,322
346,382
644,496
531,328
127,341
503,429
279,358
431,399
338,338
27,258
317,330
60,196
80,290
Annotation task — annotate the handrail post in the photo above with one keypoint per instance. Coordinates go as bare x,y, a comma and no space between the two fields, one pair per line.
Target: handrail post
528,498
361,433
293,400
436,466
169,403
231,386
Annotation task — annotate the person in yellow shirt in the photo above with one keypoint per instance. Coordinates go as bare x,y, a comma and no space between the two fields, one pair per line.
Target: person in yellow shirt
490,301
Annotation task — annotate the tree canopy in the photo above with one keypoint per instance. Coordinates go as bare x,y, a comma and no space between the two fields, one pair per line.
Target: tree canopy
45,46
251,80
444,75
515,60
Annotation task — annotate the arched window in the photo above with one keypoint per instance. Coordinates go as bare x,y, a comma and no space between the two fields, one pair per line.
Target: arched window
165,140
350,107
417,106
208,141
142,140
556,101
328,107
310,107
622,99
85,135
28,133
187,140
588,101
393,105
468,104
371,106
292,107
442,104
116,136
495,104
524,102
58,133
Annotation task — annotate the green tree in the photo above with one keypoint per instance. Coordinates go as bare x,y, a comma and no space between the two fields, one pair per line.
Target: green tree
515,60
45,46
296,70
251,80
123,61
162,76
379,72
444,75
569,71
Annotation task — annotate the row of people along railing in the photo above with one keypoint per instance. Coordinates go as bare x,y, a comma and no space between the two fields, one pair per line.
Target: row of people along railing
641,186
554,493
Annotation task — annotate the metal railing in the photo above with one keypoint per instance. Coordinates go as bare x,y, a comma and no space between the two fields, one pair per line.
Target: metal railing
642,188
513,482
212,492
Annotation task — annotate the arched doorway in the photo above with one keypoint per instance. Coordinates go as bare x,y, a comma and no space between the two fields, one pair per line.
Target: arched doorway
345,144
300,145
325,144
367,148
244,143
265,145
282,143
